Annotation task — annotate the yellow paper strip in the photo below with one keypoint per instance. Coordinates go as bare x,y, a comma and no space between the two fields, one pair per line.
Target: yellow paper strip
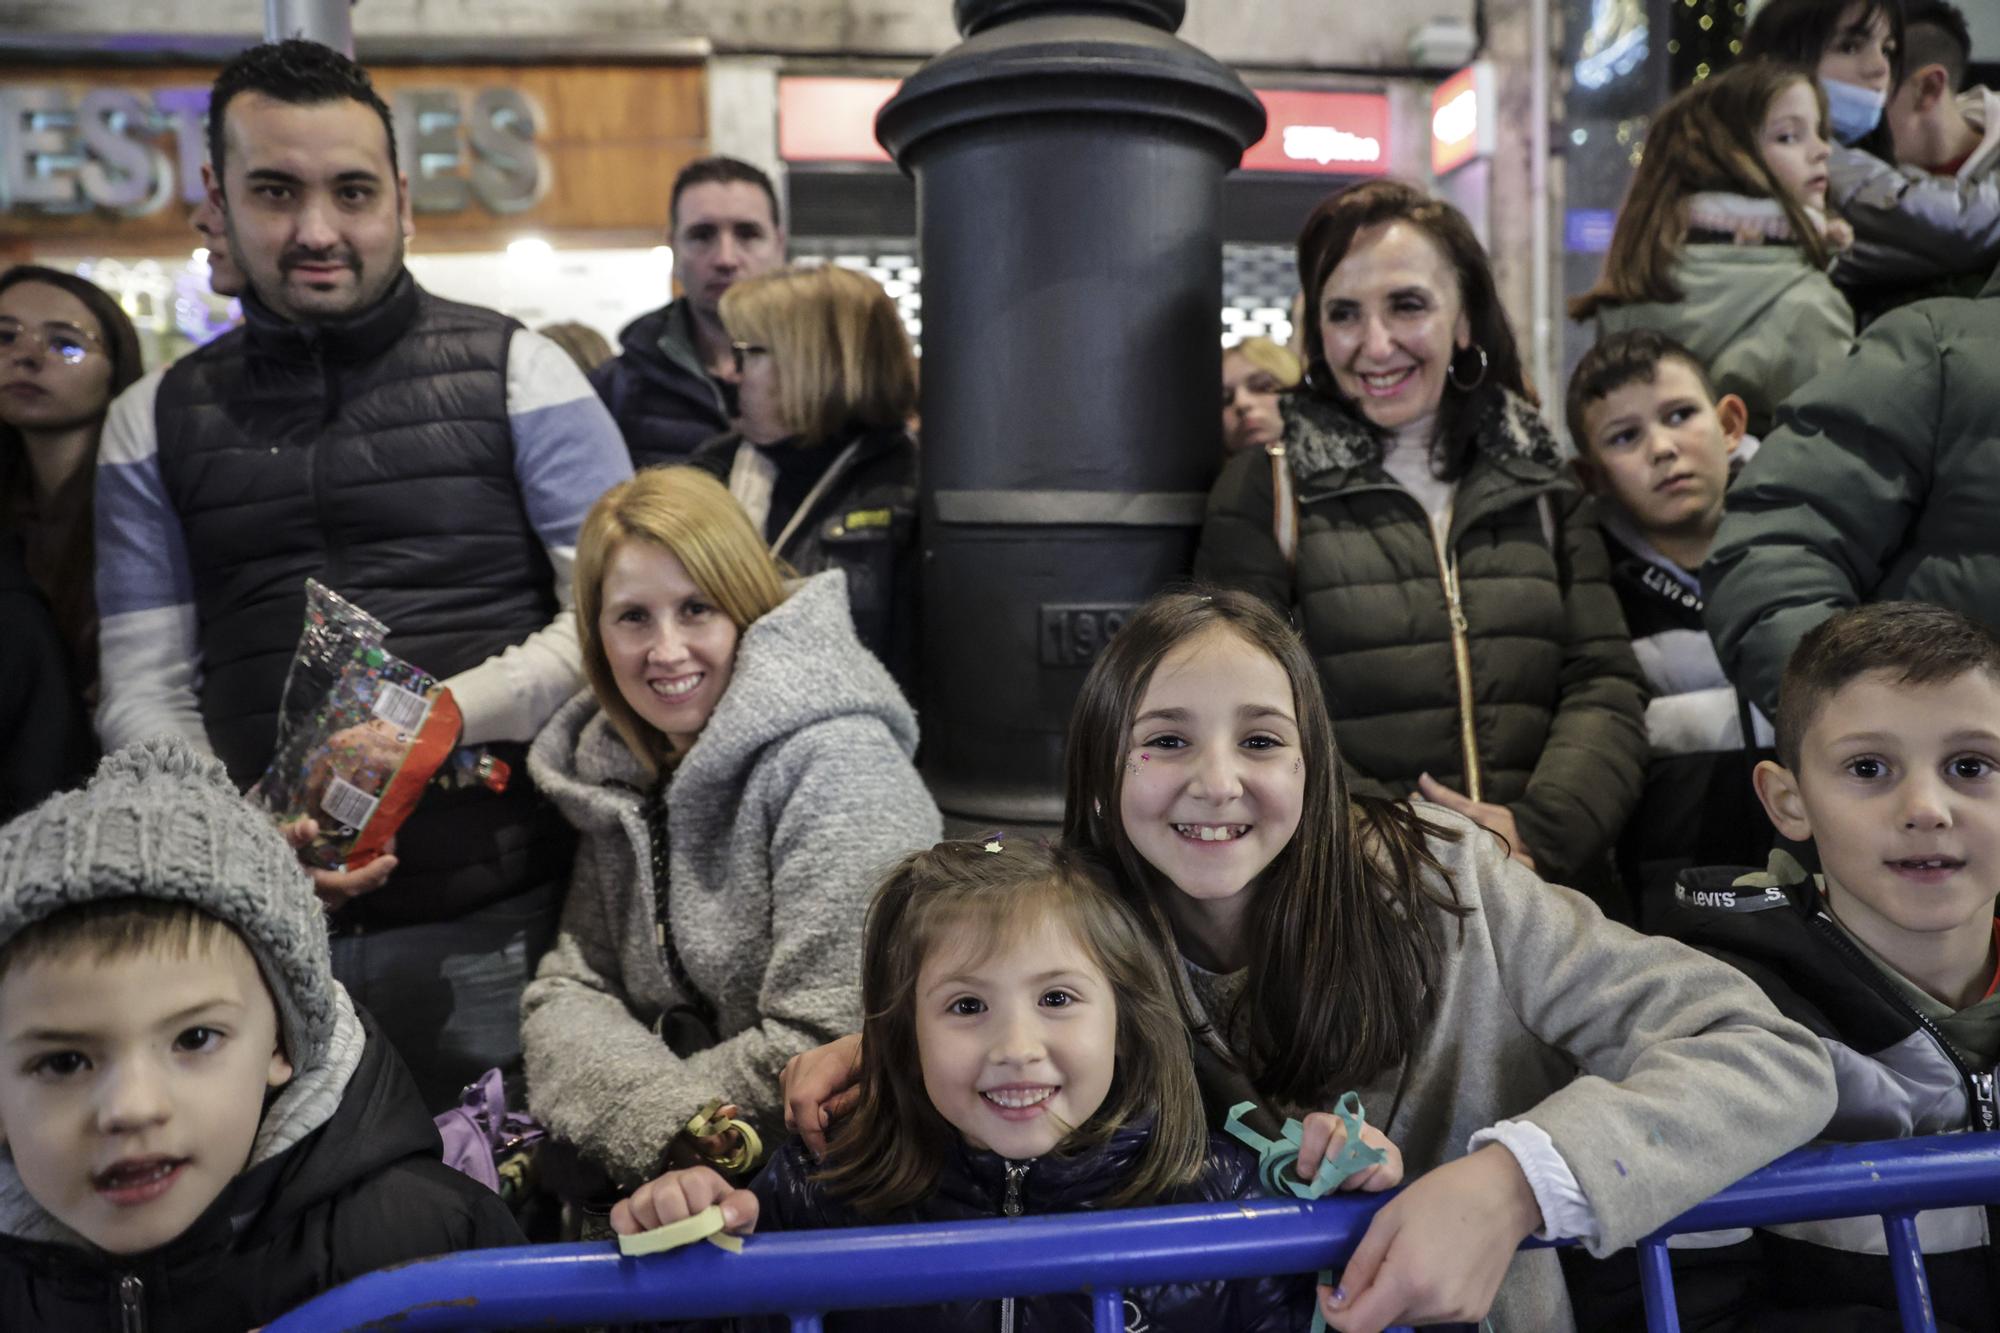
673,1235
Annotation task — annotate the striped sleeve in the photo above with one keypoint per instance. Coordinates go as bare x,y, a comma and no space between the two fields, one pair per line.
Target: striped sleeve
149,648
567,452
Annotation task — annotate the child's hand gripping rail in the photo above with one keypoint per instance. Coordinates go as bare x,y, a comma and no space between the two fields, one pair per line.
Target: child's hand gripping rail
705,1225
1277,1159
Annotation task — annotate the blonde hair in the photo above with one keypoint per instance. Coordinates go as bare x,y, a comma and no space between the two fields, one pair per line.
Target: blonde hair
837,344
690,515
1280,363
890,1152
585,345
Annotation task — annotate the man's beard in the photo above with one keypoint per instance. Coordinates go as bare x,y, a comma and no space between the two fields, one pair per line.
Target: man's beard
369,284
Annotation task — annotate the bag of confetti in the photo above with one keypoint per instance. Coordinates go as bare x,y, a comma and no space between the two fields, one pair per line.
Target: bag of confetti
335,630
361,732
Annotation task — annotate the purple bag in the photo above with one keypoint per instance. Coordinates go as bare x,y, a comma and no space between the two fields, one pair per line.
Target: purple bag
480,1130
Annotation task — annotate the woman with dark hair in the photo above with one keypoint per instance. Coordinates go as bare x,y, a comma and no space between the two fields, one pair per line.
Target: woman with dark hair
1443,566
66,350
1913,230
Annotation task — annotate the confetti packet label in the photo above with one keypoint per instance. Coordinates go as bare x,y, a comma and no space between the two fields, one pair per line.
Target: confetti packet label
400,707
347,803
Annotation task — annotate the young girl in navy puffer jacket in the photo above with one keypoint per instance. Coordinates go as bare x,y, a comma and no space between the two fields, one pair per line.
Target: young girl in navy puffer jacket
1022,1054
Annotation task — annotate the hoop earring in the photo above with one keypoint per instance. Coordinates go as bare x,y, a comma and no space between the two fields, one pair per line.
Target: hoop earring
1451,371
1318,378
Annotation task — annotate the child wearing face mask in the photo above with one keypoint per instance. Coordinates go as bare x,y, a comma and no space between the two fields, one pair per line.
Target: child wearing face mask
1024,1056
1552,1072
1724,240
1915,231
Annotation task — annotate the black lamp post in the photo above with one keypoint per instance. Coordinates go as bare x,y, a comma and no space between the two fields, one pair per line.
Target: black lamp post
1069,161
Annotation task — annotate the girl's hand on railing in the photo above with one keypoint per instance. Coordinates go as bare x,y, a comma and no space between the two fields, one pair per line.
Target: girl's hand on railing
1325,1135
1436,1253
819,1088
682,1194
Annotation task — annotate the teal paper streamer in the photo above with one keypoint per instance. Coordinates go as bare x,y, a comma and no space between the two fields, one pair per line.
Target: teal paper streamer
1276,1159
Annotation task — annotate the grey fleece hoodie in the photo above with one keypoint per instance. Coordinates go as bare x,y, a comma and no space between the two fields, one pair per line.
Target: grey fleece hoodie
1659,1074
796,797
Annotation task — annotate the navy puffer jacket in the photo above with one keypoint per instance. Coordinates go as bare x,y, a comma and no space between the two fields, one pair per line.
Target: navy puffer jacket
664,402
976,1185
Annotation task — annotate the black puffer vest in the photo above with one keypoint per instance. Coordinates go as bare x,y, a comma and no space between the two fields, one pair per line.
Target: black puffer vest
375,455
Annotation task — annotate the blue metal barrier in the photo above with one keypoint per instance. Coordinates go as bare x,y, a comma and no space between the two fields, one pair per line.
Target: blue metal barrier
803,1274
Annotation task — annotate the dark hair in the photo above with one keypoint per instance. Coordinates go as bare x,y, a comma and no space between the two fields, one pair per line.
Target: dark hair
1325,240
297,72
720,171
1921,643
109,928
889,1153
1621,359
1356,880
1936,34
74,598
1798,32
1704,139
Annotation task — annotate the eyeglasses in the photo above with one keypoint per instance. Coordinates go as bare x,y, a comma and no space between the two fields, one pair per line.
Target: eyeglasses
744,351
67,344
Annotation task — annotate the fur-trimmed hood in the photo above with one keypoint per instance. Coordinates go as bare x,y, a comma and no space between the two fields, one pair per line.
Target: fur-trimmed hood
1323,435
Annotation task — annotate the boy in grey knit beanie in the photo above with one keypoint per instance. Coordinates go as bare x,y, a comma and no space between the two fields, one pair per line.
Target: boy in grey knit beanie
169,1030
154,893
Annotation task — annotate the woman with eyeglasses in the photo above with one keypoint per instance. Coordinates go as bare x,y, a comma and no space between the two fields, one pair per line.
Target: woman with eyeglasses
66,350
822,457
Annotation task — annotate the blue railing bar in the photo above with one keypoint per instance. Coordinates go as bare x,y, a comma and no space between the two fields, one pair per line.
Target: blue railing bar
851,1269
1855,1180
1906,1262
1656,1284
808,1322
857,1268
1109,1305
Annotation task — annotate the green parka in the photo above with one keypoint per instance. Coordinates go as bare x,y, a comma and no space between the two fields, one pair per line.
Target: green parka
1881,482
1760,317
1557,707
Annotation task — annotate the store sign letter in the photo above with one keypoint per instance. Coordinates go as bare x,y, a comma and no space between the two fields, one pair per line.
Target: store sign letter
129,152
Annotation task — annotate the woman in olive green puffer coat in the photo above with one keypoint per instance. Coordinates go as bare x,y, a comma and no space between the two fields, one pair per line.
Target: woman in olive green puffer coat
1534,702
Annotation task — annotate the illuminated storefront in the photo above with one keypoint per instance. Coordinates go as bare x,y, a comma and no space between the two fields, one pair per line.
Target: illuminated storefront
850,205
540,190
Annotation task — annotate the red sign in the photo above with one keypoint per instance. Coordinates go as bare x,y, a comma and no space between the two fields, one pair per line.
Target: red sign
1343,134
1462,125
831,120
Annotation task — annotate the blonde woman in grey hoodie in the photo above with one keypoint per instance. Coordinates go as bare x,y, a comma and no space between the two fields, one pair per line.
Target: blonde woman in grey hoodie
740,772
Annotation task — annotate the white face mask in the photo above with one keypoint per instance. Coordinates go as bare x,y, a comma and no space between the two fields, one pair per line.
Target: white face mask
1852,109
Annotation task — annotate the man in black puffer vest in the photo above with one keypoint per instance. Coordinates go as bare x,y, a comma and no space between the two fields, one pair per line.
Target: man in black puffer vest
430,461
673,384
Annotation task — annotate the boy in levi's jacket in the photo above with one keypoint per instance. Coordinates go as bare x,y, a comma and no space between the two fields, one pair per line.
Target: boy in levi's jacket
1658,448
1888,734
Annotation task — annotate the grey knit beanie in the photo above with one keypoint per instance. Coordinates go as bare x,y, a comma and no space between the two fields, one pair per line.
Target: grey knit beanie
159,820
